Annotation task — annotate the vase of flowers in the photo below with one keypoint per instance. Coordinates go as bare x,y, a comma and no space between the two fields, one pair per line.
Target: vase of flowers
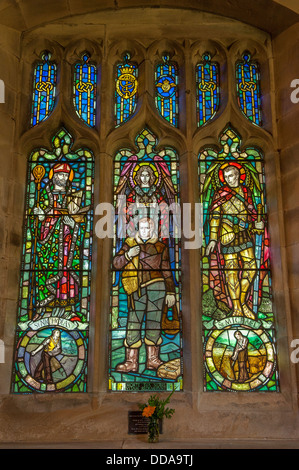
155,410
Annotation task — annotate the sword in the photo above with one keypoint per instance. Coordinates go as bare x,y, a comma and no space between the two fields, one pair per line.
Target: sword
257,253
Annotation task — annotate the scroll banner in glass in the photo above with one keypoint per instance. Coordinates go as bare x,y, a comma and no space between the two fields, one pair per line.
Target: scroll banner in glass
248,89
145,319
167,91
44,89
85,81
126,87
237,313
51,346
207,88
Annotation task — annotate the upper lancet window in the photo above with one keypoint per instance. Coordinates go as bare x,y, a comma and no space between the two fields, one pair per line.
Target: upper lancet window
146,102
238,320
126,90
207,88
85,83
145,318
248,88
44,89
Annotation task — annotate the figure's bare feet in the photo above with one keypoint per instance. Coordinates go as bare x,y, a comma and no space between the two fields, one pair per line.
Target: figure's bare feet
247,312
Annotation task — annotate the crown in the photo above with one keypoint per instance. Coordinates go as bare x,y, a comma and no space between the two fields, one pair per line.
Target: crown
127,69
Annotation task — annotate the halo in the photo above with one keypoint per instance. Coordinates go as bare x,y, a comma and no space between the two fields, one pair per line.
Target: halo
139,165
236,165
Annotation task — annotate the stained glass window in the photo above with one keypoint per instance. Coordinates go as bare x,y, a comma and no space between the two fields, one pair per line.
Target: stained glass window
207,88
126,88
238,320
2,91
85,82
53,315
167,90
44,89
248,88
145,319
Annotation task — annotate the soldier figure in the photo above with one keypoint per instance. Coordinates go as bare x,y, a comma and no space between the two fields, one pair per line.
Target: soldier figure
147,280
233,217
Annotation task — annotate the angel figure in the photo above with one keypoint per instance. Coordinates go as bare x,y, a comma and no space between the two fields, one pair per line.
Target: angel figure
149,192
235,231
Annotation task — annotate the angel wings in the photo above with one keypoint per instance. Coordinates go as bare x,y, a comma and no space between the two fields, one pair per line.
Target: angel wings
148,188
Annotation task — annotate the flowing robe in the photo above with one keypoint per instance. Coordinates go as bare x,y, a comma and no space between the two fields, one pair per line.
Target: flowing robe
58,253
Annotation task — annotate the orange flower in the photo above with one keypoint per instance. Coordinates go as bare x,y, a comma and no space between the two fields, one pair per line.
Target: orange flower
148,411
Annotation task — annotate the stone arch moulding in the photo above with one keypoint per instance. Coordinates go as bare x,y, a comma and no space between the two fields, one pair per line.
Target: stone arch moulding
146,118
232,114
63,108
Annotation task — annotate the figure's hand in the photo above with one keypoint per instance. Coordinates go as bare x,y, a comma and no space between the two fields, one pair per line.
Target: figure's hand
259,225
134,251
73,208
69,221
170,300
211,247
39,212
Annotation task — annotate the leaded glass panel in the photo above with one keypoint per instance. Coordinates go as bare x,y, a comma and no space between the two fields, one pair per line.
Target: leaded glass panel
53,315
44,89
248,88
145,318
207,89
85,82
167,90
126,90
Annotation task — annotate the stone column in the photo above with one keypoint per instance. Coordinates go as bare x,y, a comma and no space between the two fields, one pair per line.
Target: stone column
12,183
286,65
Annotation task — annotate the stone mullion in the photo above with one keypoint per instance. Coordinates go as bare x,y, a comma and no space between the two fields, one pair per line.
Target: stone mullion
102,247
190,257
106,97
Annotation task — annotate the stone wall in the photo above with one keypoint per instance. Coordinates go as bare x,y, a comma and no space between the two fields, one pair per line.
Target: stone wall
285,50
